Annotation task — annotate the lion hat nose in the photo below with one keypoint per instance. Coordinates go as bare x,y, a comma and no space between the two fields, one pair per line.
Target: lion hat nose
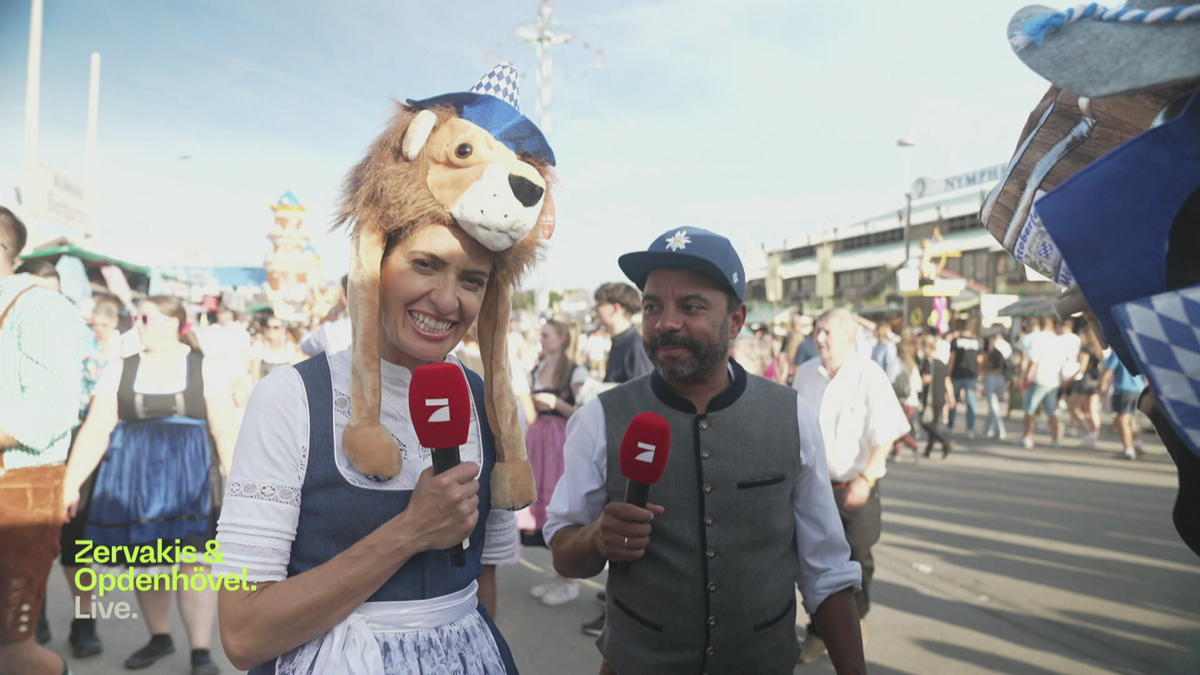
526,191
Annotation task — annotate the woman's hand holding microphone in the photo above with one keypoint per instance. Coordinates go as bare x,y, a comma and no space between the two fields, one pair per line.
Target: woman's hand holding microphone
444,509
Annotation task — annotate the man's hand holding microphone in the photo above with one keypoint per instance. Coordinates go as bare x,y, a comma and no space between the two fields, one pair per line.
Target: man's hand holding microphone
622,532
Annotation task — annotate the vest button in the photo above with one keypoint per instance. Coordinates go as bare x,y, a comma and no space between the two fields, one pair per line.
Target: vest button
708,488
710,554
708,520
712,620
704,454
712,587
710,651
704,425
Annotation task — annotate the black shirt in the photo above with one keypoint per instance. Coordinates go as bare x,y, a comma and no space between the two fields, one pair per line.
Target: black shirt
966,352
935,391
806,351
627,359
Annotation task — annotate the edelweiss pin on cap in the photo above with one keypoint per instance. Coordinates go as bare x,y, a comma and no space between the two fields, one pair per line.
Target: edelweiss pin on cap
689,248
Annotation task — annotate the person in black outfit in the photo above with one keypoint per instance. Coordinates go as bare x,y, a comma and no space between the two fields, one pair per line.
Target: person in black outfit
1083,392
938,393
616,303
965,349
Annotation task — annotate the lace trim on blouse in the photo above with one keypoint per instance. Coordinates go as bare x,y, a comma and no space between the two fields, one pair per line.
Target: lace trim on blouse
267,491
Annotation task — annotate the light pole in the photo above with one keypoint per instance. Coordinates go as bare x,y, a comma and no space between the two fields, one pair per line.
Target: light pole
93,112
904,144
544,32
33,83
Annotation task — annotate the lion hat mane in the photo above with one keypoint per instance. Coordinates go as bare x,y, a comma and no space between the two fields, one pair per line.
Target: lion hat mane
468,160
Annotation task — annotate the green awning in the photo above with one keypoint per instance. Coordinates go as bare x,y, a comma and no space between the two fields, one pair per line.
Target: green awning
88,256
760,314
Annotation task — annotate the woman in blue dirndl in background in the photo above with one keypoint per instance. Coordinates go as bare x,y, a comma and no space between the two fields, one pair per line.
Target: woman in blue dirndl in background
159,427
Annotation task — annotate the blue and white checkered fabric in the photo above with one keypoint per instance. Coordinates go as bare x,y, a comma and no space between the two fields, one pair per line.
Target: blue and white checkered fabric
1163,332
501,82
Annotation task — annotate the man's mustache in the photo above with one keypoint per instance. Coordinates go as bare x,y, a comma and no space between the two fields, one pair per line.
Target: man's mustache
673,340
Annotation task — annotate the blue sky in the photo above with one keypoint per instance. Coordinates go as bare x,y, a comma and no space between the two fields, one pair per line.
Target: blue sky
760,119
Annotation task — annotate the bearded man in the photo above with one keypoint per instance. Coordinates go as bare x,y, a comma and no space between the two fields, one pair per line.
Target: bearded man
744,511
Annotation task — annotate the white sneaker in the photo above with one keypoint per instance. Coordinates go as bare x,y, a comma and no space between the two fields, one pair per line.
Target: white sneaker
1089,441
563,592
1027,443
1002,434
1072,432
542,589
812,650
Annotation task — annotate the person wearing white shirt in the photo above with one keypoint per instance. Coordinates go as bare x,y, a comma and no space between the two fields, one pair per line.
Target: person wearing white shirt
227,344
330,337
744,511
1041,376
860,418
334,334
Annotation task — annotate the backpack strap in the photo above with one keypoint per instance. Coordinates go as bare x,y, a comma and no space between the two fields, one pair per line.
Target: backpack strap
13,304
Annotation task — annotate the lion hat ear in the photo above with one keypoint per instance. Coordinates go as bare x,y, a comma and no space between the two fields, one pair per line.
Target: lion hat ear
469,159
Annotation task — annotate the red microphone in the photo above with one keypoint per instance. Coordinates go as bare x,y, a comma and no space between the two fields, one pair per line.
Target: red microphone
439,405
644,450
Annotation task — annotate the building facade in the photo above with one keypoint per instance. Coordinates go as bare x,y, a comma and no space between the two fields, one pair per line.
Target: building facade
864,256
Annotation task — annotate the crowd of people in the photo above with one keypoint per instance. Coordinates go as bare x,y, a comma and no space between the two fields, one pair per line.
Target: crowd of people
165,398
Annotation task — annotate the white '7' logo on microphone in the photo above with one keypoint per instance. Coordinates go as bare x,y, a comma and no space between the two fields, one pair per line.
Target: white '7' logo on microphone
442,414
648,455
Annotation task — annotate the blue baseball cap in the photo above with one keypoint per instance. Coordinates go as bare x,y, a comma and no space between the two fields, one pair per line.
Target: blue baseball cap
689,248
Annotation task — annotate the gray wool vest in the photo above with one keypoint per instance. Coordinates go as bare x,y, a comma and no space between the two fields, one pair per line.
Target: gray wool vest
715,592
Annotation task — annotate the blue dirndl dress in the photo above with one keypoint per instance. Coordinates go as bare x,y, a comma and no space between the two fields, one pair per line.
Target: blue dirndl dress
335,514
160,477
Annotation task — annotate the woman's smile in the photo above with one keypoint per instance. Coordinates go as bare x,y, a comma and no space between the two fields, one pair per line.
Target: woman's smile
429,326
432,286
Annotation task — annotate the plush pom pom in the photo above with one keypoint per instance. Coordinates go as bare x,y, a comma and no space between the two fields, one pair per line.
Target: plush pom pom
372,450
512,485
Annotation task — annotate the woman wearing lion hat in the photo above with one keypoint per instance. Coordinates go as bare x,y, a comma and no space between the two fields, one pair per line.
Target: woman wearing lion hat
332,507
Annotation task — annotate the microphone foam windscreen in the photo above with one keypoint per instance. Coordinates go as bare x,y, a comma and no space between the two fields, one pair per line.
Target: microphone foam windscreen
645,447
439,404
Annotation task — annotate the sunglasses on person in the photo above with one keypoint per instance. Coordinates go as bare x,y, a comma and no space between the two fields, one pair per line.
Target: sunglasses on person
145,319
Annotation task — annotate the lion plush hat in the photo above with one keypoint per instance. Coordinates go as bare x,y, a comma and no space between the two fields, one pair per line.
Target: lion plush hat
469,159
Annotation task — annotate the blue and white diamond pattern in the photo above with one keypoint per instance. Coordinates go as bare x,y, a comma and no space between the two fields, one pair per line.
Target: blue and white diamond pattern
1163,331
501,82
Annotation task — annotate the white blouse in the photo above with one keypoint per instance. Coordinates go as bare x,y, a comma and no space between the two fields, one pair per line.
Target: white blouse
110,379
261,510
579,375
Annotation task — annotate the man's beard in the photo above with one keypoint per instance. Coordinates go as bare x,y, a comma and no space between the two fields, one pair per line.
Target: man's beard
705,355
